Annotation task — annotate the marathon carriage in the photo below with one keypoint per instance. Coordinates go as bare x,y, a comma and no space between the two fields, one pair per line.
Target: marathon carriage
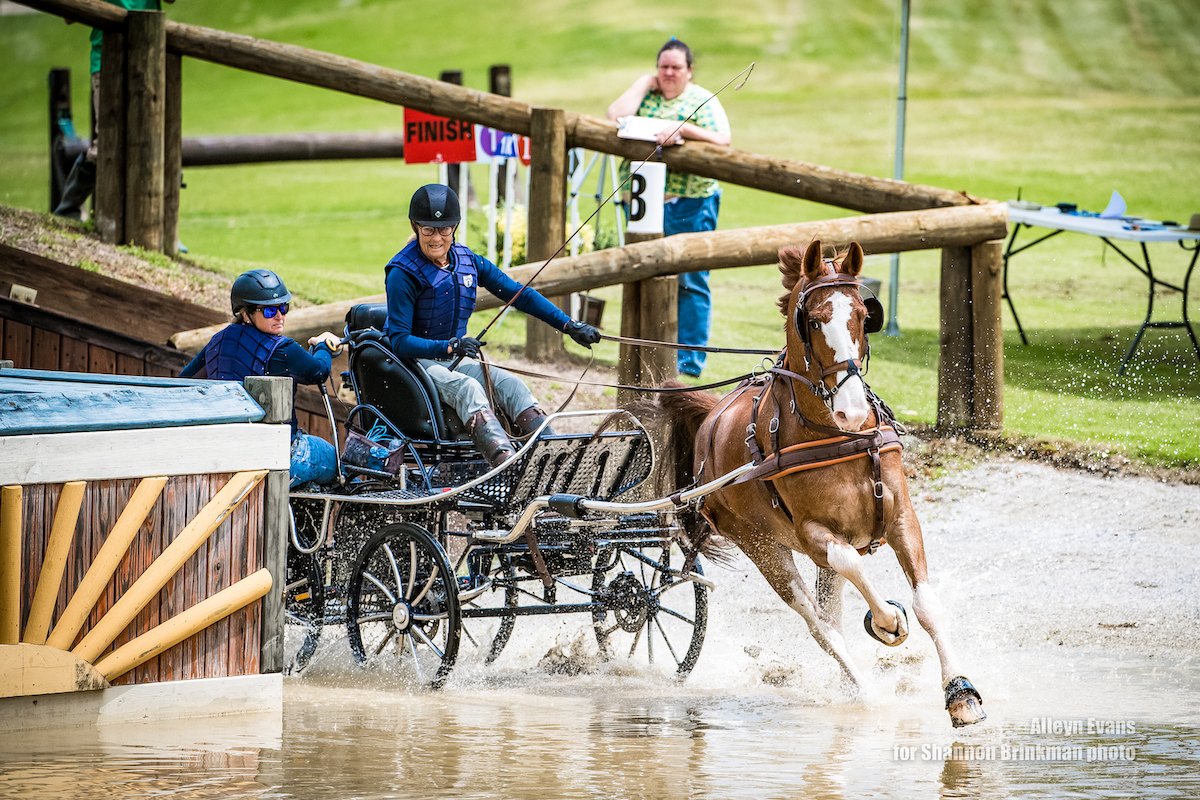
424,545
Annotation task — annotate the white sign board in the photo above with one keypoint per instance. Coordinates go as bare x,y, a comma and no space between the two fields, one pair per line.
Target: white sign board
646,188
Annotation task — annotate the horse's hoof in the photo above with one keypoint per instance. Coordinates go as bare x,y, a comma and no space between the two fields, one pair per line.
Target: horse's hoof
898,637
963,702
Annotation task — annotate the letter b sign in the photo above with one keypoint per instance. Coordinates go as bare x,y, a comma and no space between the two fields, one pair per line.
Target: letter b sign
646,187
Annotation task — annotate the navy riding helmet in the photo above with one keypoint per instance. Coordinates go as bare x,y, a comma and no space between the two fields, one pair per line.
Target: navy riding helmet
258,287
435,205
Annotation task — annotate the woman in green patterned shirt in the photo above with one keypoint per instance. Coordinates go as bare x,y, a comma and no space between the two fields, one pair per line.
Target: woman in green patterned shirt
692,202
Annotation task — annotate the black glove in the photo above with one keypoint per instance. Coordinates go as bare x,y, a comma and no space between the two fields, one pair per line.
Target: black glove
583,333
465,347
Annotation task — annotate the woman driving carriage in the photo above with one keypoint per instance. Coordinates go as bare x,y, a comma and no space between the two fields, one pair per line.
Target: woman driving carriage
431,289
254,345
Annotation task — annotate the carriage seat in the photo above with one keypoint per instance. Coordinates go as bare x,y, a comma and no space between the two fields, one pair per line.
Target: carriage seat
399,388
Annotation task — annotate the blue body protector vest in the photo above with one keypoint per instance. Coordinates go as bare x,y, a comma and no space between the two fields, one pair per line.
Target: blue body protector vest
447,296
238,351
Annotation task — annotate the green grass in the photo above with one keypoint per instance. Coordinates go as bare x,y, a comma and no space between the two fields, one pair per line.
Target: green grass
1064,100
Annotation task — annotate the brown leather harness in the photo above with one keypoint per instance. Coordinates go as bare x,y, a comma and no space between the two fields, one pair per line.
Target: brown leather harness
840,446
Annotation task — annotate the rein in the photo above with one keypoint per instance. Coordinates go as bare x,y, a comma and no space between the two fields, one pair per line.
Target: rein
676,346
649,389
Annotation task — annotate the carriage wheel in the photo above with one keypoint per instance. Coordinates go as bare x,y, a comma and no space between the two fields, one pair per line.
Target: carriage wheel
511,600
494,632
304,608
403,606
649,613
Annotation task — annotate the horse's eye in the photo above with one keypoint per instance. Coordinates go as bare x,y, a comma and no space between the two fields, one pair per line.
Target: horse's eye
816,326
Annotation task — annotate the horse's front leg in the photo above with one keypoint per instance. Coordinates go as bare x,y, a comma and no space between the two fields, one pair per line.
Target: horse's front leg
888,620
963,701
778,566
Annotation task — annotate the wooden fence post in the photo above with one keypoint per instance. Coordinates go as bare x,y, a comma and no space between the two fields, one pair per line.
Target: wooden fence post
275,397
500,82
955,364
172,152
660,322
110,131
649,310
987,266
145,124
547,216
629,363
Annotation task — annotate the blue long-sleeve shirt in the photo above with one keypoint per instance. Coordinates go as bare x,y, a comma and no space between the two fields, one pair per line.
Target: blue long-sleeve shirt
403,290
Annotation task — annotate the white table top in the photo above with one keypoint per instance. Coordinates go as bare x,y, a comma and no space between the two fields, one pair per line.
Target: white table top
1119,228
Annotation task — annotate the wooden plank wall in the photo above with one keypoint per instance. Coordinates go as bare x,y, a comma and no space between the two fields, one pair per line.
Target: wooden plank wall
234,551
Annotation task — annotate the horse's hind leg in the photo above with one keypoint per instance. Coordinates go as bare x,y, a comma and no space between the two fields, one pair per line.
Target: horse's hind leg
777,565
829,594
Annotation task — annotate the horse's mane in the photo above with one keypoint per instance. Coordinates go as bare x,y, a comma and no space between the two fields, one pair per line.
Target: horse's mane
791,264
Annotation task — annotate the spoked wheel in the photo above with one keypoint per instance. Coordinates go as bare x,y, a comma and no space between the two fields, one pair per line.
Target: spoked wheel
403,605
304,609
511,600
490,632
650,615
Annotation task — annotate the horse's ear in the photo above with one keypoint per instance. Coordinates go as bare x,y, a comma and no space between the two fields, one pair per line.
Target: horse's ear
813,266
852,263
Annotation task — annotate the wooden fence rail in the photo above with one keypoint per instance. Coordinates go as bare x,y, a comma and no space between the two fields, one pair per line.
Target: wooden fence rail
304,65
898,232
791,178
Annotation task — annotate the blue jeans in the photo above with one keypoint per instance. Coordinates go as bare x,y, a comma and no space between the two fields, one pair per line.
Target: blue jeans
313,459
689,215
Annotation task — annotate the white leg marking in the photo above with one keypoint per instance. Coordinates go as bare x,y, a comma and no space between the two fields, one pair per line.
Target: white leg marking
827,636
931,616
846,561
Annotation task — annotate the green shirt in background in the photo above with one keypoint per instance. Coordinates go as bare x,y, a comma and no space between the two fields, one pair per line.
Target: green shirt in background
710,117
132,5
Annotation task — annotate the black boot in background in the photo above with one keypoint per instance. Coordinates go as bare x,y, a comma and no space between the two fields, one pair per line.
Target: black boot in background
80,185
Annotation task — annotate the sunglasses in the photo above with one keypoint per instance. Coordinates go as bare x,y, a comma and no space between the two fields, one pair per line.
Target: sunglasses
269,312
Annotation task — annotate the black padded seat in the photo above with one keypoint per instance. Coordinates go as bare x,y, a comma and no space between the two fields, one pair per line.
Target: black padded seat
398,387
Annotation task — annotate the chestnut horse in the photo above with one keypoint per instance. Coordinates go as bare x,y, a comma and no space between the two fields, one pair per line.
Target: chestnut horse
815,401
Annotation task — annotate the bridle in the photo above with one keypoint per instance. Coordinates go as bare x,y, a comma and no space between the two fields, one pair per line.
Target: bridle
803,324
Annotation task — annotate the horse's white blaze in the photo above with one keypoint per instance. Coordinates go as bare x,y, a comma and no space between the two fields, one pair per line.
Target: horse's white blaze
850,407
931,616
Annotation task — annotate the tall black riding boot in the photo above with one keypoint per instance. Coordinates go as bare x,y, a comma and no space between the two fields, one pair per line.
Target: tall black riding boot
489,437
530,420
79,187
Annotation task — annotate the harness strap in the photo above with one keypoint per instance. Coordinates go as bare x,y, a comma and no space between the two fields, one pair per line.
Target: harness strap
538,561
821,453
877,538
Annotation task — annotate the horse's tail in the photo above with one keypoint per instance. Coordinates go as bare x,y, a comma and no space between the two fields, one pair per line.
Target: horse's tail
678,417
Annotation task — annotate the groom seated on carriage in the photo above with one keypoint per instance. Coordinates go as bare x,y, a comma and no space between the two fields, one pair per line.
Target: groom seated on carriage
431,289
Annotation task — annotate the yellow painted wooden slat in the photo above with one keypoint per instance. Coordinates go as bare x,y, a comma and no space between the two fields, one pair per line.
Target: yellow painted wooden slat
194,534
11,512
94,582
55,561
182,626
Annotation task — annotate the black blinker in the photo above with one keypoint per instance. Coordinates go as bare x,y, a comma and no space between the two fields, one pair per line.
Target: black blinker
875,315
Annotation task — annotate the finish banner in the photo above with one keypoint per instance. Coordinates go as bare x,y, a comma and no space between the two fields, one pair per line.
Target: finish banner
437,140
